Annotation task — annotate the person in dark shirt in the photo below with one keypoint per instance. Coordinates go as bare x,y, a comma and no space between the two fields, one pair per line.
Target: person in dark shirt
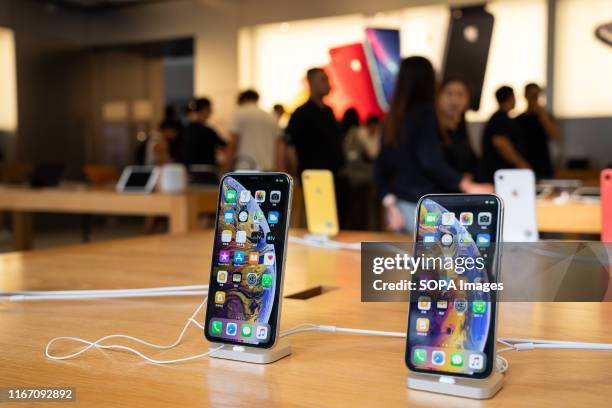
453,102
313,130
501,143
411,162
172,131
537,128
201,141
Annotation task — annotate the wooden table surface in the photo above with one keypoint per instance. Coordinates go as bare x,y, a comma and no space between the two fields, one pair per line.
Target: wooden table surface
325,369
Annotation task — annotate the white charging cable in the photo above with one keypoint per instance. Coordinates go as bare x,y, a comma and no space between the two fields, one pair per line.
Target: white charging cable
324,242
165,291
516,344
98,344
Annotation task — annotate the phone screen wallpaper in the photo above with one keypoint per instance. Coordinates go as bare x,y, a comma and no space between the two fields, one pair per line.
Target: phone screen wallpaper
449,330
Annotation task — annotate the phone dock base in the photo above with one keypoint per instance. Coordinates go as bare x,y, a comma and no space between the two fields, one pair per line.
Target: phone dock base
458,386
251,354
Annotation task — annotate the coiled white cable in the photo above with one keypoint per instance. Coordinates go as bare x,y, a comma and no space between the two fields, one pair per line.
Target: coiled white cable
98,344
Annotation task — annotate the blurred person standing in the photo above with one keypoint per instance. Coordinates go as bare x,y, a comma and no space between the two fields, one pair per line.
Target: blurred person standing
312,129
314,139
201,141
453,103
358,172
537,128
255,135
172,132
411,162
501,142
280,114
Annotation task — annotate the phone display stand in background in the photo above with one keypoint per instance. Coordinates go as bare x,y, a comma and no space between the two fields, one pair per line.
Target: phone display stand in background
458,386
251,354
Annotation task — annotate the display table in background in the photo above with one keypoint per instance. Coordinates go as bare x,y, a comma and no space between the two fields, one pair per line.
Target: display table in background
182,209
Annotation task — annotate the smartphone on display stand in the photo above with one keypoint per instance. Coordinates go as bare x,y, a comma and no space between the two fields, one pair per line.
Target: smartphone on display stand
248,260
320,202
517,188
452,332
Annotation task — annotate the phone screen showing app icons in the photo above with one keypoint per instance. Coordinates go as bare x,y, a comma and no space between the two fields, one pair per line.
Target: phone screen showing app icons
249,246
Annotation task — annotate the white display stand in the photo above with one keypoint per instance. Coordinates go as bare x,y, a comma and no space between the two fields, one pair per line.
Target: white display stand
251,354
458,386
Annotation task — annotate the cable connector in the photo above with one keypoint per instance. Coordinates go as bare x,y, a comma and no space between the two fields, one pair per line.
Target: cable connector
524,346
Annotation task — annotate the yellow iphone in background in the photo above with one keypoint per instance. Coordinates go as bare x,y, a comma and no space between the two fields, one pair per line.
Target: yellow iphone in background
320,202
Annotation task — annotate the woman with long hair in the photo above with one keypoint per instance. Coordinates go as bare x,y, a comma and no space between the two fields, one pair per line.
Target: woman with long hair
411,162
453,103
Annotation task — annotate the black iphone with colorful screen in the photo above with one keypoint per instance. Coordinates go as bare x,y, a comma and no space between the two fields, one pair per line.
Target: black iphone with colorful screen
247,271
452,312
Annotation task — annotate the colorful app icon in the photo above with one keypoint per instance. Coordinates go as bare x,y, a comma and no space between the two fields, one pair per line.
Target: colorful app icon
243,216
438,357
236,277
239,257
442,304
422,325
448,218
269,259
228,216
261,333
251,279
273,217
431,218
260,196
456,359
253,258
484,218
275,196
447,239
429,238
466,218
222,276
464,239
246,330
240,237
245,196
231,329
216,327
266,280
460,305
424,303
220,298
226,236
479,306
476,362
224,256
419,356
230,196
483,240
258,216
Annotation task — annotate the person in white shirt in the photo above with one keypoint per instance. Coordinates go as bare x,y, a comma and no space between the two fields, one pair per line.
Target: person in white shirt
255,135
